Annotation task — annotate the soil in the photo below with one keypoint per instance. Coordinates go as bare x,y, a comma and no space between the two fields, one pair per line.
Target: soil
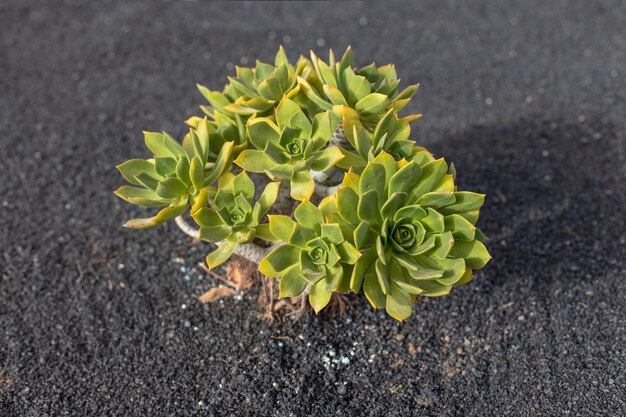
527,99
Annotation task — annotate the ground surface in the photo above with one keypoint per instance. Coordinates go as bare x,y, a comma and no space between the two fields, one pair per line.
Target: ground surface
528,100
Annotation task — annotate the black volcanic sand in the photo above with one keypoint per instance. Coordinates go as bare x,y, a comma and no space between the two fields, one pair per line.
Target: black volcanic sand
527,99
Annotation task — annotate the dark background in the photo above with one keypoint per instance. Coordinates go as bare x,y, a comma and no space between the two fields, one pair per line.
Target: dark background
527,98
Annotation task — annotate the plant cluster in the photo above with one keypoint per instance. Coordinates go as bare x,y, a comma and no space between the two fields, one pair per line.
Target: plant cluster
393,223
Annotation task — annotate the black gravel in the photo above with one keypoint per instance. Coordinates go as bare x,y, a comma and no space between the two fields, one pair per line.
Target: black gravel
527,99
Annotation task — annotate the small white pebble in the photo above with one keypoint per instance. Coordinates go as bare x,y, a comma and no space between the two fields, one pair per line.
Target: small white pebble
363,21
183,306
287,39
243,60
489,101
547,177
320,42
528,99
545,153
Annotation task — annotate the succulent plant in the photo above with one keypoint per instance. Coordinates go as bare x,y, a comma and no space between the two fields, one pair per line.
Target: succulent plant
290,148
227,214
416,232
174,176
370,91
391,135
315,254
395,228
222,129
256,91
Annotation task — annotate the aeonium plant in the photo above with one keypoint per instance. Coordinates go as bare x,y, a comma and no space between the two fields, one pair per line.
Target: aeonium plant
416,233
315,253
292,147
228,215
394,227
175,175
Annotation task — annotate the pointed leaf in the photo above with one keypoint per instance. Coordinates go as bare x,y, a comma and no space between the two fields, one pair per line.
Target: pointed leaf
281,227
461,229
130,169
398,303
405,178
222,253
319,297
215,233
292,284
475,253
196,172
302,186
171,188
308,215
372,103
255,161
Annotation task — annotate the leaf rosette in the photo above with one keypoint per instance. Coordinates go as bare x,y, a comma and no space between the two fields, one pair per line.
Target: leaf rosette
370,91
222,129
290,146
175,175
391,135
315,253
228,215
416,232
256,91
